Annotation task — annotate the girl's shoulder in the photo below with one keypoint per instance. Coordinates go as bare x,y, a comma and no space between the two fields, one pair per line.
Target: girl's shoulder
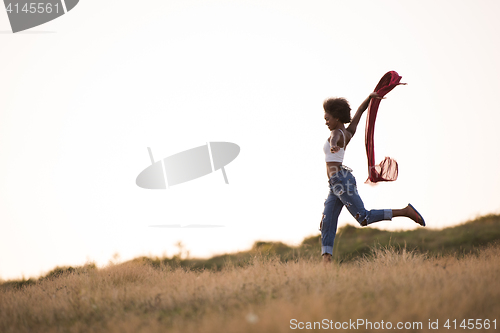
347,136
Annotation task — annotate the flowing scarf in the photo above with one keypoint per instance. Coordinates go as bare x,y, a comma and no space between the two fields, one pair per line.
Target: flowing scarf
387,170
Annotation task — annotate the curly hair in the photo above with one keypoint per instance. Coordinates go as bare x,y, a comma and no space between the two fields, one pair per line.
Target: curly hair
338,108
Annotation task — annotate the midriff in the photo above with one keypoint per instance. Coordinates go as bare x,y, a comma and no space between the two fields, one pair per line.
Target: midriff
332,168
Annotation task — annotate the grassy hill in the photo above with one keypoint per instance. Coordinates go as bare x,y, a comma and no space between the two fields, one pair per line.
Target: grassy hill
350,243
440,276
353,242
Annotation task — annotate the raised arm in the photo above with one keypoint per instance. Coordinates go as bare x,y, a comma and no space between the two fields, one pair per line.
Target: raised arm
362,108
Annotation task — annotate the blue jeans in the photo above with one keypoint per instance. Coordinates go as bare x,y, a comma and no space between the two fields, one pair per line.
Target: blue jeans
343,192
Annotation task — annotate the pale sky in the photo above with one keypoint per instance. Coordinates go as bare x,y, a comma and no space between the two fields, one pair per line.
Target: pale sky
83,96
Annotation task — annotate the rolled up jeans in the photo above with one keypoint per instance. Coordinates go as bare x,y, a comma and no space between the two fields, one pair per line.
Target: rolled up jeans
343,192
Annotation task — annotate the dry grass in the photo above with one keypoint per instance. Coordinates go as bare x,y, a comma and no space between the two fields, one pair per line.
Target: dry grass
260,297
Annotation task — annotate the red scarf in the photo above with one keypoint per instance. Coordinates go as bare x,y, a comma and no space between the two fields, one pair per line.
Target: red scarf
387,170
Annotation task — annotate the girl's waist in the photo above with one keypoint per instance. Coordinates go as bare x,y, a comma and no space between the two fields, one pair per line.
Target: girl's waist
334,169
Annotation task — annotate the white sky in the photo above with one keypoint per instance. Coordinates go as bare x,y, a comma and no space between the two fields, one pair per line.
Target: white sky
83,96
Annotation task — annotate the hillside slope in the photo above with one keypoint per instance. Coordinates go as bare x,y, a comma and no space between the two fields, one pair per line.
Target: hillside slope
350,243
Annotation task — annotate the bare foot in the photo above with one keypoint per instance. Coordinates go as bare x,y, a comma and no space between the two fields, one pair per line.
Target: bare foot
414,215
327,258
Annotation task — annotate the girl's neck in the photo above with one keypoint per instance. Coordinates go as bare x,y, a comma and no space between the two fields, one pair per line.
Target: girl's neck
339,126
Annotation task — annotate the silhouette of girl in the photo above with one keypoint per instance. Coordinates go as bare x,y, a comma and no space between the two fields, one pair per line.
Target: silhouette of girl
343,191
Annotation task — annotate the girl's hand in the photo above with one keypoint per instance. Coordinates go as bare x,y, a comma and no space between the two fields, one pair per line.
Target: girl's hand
334,149
375,95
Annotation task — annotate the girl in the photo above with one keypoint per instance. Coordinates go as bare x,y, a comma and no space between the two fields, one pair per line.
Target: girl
343,191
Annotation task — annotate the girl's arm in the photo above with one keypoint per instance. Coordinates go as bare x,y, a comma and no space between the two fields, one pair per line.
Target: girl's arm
355,120
334,139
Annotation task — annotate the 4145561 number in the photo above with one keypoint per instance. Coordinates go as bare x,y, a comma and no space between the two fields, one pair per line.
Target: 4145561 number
472,324
33,8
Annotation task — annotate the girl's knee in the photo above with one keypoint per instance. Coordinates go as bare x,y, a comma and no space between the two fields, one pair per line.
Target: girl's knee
362,219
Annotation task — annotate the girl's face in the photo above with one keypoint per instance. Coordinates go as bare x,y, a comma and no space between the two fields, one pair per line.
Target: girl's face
331,122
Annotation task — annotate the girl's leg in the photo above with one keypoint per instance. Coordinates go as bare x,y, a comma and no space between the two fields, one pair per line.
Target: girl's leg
345,189
333,206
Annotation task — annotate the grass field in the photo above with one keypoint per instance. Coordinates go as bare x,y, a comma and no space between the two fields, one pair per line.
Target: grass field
452,274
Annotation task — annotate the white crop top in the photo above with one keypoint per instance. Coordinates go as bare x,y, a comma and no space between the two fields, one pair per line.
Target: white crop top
334,157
